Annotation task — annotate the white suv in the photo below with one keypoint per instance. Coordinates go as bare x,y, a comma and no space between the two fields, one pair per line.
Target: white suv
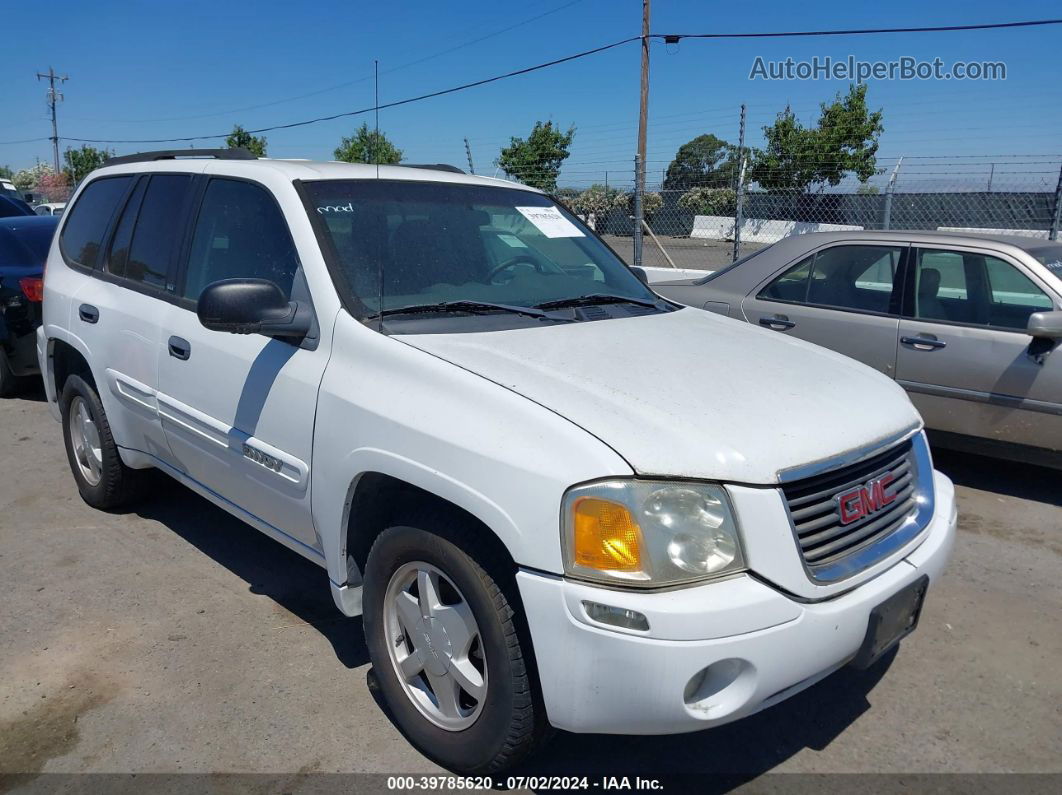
555,497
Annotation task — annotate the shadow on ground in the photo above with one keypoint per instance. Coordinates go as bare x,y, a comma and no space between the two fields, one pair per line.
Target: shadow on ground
268,568
1007,478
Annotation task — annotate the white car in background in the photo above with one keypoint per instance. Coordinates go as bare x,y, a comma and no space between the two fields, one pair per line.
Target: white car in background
553,496
50,208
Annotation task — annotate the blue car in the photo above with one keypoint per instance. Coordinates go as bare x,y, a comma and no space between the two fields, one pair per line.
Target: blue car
24,244
14,206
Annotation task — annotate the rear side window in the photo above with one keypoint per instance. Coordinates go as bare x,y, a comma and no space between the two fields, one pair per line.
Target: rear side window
846,277
158,227
88,220
240,234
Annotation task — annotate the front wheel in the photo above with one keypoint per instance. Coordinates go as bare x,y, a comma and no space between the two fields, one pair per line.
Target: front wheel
445,646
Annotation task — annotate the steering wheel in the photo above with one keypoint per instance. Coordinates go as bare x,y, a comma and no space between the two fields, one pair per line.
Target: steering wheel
516,260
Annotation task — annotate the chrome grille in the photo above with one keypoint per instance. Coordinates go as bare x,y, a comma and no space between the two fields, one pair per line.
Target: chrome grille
815,512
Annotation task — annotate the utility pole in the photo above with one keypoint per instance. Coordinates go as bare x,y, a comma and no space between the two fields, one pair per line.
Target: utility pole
468,151
643,119
991,173
1056,216
887,221
53,97
739,193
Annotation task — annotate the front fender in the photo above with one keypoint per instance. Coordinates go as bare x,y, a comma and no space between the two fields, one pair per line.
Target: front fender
390,408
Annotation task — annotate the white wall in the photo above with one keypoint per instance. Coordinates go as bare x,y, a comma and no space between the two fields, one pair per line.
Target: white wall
757,230
1039,233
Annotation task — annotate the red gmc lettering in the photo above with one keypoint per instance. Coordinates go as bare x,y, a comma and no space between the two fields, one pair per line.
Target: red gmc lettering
865,500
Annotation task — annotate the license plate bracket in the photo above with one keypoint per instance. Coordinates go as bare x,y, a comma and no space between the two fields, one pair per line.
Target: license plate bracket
892,621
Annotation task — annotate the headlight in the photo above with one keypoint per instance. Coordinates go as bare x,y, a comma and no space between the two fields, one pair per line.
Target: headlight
649,533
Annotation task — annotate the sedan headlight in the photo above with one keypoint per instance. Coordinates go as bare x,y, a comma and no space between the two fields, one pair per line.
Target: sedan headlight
649,533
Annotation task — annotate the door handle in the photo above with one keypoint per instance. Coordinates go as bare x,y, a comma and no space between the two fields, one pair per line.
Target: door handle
88,313
778,322
180,348
924,343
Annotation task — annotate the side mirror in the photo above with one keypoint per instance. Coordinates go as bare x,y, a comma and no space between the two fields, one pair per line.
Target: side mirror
641,275
252,306
1045,325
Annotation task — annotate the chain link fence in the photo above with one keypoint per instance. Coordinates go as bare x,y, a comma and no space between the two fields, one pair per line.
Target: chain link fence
695,226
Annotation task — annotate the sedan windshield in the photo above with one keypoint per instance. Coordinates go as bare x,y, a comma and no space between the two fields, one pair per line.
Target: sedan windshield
446,247
1050,255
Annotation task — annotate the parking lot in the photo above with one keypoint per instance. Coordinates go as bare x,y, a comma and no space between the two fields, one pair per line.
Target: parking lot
173,638
684,252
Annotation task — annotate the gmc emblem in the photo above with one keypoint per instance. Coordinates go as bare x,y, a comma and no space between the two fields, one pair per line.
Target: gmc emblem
864,500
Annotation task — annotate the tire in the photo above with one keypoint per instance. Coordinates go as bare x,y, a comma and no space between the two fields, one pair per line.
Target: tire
508,721
9,382
102,479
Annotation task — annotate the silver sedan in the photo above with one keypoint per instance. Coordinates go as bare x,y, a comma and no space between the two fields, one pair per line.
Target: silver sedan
969,325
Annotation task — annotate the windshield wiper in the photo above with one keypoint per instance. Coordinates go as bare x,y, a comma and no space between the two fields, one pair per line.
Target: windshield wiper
474,307
594,298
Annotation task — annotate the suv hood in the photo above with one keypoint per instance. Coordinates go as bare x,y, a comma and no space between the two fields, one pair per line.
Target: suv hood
690,393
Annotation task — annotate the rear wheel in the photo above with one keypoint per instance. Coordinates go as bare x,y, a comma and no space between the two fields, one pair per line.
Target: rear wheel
102,479
446,650
9,382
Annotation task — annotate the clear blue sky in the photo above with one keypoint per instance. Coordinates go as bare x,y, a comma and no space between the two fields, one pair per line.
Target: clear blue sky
143,69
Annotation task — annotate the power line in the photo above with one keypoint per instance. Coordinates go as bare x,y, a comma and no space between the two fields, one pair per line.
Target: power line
24,141
361,111
349,83
670,38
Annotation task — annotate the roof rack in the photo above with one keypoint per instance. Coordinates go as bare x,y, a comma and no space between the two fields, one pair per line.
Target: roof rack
174,154
433,167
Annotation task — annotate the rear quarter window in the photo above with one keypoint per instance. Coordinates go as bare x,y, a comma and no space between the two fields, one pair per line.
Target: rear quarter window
87,221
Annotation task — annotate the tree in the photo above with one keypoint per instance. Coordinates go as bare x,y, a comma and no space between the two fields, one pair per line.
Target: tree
651,202
368,146
54,187
7,172
704,161
536,161
27,178
567,197
239,138
844,140
596,200
709,201
79,162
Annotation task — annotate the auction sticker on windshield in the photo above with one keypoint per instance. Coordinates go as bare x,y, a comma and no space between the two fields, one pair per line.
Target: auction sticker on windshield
550,222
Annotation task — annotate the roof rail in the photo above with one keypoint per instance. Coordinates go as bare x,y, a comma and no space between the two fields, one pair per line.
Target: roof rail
173,154
433,167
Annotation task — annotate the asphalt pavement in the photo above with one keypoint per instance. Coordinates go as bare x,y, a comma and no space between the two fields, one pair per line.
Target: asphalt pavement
173,638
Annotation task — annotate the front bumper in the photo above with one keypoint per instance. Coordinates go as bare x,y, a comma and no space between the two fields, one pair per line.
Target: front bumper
714,653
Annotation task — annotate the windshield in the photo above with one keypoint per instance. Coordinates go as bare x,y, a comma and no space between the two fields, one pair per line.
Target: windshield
437,243
1050,255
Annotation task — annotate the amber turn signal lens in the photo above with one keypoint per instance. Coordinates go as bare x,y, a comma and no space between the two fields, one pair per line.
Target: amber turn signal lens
606,536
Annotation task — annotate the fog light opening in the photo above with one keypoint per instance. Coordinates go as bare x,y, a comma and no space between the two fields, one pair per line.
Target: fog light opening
704,688
616,616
